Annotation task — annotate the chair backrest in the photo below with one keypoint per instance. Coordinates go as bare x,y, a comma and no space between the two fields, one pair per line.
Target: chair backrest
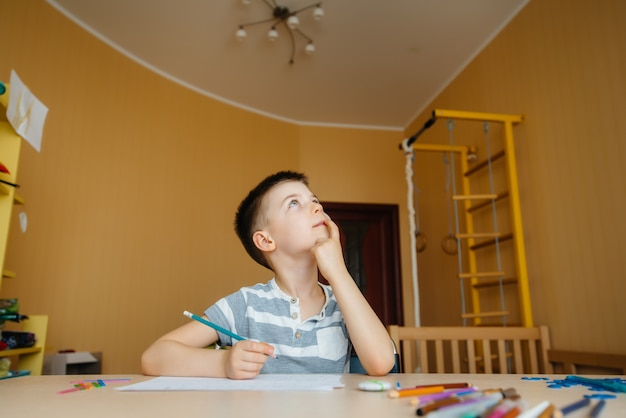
464,349
577,362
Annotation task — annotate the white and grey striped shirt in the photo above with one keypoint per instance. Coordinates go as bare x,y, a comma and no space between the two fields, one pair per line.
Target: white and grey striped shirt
263,312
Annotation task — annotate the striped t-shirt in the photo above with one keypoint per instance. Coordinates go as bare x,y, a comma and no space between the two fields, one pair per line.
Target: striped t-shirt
265,313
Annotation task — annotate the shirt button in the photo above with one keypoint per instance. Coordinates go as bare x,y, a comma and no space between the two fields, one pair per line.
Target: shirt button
294,316
293,300
298,335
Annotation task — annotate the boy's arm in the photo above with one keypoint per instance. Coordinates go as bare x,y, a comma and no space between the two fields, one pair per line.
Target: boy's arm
182,352
367,333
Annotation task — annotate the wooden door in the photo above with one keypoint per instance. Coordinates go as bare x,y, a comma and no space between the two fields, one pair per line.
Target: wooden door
371,247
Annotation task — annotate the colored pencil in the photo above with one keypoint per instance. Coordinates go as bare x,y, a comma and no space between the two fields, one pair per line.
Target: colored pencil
212,325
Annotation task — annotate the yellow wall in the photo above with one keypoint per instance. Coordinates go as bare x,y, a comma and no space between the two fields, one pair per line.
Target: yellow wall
130,202
132,198
561,64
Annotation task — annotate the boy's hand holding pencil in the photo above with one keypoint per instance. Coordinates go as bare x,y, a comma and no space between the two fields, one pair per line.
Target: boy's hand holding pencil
246,358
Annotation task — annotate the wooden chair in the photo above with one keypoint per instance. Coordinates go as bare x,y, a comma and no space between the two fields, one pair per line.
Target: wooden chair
577,362
463,349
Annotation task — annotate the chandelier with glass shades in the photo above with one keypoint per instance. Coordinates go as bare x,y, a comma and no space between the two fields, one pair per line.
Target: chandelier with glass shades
282,15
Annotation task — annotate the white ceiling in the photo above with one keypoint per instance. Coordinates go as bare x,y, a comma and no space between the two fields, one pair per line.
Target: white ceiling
377,63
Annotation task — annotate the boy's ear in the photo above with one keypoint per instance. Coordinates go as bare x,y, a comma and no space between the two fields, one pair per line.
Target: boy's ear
263,241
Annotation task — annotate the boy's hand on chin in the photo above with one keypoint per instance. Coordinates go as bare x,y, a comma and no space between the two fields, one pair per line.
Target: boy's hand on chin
328,253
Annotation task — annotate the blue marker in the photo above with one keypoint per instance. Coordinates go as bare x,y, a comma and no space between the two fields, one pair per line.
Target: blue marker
595,412
576,405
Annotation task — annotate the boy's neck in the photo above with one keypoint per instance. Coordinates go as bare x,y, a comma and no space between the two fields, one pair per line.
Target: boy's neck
306,289
299,283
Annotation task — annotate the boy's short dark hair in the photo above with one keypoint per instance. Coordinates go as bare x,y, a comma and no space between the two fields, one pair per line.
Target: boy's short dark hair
248,213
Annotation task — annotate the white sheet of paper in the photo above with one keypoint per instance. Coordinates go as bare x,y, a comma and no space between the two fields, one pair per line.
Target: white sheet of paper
263,382
25,112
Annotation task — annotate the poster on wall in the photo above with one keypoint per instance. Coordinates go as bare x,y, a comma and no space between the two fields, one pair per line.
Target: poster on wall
25,112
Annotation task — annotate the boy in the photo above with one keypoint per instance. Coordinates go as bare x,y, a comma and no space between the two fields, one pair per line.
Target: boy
293,323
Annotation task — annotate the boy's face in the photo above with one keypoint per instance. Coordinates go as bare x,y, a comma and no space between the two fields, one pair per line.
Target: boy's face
295,218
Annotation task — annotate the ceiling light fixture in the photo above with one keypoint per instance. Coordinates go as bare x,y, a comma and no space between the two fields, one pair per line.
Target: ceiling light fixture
281,15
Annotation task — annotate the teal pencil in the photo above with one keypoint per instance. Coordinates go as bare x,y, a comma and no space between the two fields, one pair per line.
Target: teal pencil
212,325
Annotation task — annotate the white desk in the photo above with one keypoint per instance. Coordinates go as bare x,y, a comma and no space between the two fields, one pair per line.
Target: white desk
36,396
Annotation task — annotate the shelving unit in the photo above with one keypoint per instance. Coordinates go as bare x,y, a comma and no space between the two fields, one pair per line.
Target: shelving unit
30,358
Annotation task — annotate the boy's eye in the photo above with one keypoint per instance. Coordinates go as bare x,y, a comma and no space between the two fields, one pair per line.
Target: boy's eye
293,202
